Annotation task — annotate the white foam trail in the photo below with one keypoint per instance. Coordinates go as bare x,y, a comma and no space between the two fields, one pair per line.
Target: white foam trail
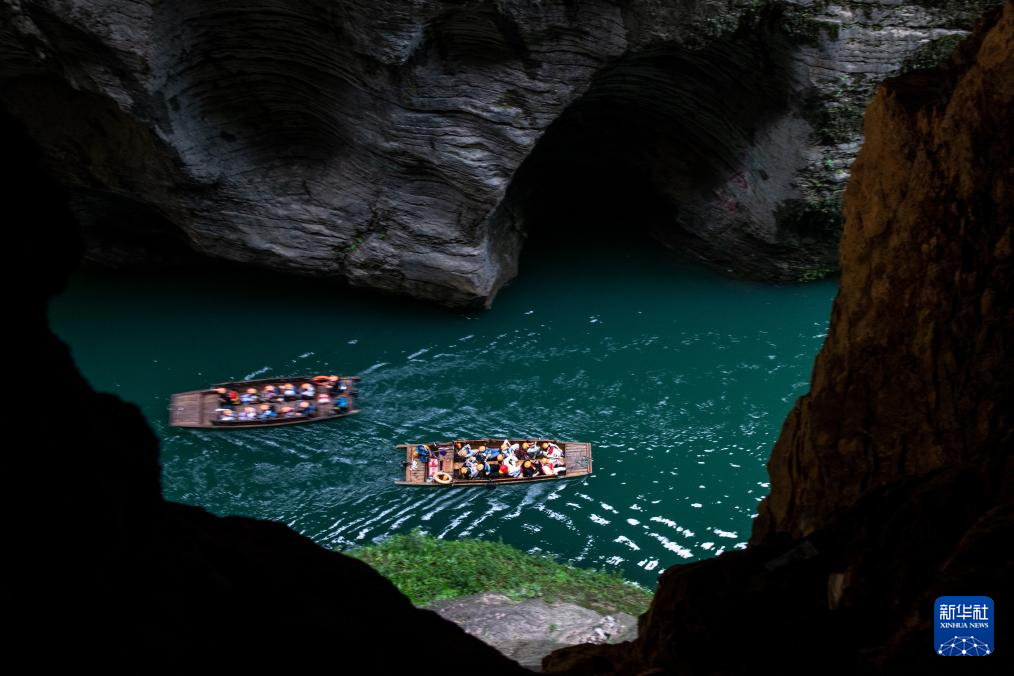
455,522
724,533
680,551
254,374
623,539
416,354
598,519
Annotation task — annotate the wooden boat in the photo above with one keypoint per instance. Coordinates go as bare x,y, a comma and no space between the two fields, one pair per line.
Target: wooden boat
203,408
577,458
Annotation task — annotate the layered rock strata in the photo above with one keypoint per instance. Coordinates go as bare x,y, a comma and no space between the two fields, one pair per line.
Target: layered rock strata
892,481
104,574
409,148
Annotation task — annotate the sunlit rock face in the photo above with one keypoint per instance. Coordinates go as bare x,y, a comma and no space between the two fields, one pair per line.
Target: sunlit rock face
408,147
892,481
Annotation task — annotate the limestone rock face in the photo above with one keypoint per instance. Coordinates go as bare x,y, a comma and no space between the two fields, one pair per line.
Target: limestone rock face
915,373
104,574
893,481
526,631
409,146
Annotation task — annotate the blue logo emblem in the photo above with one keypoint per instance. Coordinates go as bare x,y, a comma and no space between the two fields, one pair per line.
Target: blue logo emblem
963,626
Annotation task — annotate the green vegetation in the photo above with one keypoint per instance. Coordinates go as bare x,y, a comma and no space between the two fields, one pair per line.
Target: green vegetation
815,274
931,54
427,569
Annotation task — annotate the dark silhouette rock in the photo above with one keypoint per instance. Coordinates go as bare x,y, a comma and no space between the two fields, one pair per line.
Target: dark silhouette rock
105,573
892,482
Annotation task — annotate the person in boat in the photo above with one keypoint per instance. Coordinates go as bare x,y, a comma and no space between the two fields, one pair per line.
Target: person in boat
307,391
289,412
289,391
433,466
232,398
323,398
250,396
308,408
487,470
223,395
267,412
513,467
248,413
345,385
547,468
343,404
227,415
269,393
554,452
471,467
522,452
422,453
528,469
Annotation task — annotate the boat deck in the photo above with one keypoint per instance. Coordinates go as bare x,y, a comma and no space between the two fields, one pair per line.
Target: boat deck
577,456
199,408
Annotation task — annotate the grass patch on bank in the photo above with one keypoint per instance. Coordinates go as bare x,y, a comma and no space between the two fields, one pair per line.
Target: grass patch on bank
427,569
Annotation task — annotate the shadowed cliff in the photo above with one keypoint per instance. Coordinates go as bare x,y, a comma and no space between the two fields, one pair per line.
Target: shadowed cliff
409,147
103,571
891,483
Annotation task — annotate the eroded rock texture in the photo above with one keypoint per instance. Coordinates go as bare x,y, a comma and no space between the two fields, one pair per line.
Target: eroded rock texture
103,574
892,481
409,146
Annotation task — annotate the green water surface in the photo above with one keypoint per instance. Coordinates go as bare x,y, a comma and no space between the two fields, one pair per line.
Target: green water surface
678,377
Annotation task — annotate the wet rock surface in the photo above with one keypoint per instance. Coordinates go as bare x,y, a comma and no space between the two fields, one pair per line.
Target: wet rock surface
409,148
528,630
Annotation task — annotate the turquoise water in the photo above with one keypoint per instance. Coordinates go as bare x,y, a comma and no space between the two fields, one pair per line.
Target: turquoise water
678,377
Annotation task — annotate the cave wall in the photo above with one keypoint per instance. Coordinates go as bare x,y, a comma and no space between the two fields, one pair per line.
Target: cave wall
102,573
892,482
377,142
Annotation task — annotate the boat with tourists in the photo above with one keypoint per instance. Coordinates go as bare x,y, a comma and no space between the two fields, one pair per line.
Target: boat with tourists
266,402
492,462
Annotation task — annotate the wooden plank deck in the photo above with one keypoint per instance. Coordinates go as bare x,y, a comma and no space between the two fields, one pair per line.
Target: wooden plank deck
187,410
199,408
577,456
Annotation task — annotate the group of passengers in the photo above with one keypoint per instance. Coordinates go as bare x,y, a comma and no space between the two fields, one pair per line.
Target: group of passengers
286,400
523,459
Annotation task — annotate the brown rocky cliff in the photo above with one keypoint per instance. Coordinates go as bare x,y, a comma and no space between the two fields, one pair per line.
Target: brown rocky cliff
891,481
916,372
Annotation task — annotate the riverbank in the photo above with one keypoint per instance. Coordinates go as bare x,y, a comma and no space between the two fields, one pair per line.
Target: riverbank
428,570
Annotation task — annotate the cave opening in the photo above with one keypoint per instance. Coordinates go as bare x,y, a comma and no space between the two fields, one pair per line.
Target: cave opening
648,153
